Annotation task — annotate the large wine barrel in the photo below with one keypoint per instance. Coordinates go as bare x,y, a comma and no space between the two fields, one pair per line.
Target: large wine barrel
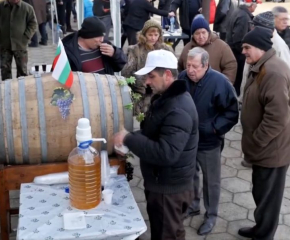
32,129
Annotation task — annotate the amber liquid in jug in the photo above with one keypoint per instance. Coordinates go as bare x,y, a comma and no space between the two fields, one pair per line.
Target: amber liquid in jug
85,182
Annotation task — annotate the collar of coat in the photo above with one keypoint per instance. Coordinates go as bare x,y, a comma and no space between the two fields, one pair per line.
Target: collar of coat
270,53
7,3
176,88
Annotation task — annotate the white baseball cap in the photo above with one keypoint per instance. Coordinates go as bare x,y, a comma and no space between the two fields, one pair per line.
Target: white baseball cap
158,58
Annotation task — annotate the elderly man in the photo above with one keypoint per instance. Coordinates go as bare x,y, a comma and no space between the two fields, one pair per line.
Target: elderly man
281,23
217,108
266,19
221,56
17,26
265,120
88,52
166,145
238,27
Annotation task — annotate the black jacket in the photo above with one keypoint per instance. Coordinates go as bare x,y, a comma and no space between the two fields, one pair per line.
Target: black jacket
111,64
238,27
285,35
138,14
184,15
101,8
224,13
167,142
217,106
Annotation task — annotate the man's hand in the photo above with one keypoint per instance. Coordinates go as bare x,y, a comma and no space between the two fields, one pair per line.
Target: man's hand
119,138
107,49
171,14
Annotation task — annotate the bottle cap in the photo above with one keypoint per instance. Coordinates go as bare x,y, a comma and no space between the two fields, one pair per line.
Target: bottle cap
83,130
66,189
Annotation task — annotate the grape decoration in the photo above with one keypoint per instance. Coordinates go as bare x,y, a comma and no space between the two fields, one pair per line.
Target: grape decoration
62,98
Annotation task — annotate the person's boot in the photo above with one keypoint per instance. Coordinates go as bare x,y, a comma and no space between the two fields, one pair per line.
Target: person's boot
32,45
43,43
191,214
246,164
247,232
206,227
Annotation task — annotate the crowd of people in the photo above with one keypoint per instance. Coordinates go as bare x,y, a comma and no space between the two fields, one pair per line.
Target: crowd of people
189,103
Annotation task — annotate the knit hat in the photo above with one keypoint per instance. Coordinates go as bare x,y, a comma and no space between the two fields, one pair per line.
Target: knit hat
149,24
199,22
265,19
259,37
92,27
254,1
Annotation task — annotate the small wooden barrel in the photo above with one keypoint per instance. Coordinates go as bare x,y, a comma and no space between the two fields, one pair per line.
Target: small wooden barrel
33,131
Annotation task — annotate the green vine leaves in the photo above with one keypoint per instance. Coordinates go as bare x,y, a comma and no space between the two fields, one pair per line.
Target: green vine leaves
134,96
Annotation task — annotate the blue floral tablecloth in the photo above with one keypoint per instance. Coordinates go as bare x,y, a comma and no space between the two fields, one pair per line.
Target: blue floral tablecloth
42,208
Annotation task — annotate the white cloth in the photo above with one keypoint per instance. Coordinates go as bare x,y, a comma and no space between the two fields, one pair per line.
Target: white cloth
42,208
282,51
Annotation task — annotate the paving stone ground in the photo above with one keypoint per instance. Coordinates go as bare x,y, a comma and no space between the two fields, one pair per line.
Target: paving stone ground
236,204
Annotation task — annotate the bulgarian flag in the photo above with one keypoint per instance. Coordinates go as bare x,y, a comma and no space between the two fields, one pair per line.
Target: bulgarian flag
61,68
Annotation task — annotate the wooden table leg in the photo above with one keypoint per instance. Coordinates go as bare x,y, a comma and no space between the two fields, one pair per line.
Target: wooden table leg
4,205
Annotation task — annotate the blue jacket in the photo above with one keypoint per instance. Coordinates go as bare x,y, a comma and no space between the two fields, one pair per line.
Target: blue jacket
88,8
217,106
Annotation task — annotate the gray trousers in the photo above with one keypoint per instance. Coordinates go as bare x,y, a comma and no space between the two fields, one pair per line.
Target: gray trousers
210,163
107,20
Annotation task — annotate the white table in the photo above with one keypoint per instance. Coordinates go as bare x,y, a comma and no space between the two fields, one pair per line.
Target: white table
42,207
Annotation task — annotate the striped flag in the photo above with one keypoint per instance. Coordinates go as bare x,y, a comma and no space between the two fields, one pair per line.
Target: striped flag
61,68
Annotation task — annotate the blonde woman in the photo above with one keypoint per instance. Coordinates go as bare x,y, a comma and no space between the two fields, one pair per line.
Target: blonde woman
150,38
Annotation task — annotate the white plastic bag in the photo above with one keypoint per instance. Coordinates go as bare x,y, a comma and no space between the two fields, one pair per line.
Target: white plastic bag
54,178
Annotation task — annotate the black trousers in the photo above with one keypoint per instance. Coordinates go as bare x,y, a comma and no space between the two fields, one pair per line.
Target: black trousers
131,35
268,190
64,13
166,214
185,41
241,63
43,33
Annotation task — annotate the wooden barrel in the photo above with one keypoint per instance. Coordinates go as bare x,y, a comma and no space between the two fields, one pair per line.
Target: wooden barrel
32,129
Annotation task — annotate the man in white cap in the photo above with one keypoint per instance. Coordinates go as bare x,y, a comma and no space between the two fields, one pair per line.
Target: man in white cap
166,145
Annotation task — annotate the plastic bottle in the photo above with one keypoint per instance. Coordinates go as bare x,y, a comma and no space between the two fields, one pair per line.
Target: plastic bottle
85,169
105,168
172,24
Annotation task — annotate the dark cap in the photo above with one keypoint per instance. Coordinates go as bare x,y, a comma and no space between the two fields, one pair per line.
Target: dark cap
92,27
259,37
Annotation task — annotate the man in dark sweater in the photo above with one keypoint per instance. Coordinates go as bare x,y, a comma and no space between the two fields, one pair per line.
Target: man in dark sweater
218,112
88,52
167,145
